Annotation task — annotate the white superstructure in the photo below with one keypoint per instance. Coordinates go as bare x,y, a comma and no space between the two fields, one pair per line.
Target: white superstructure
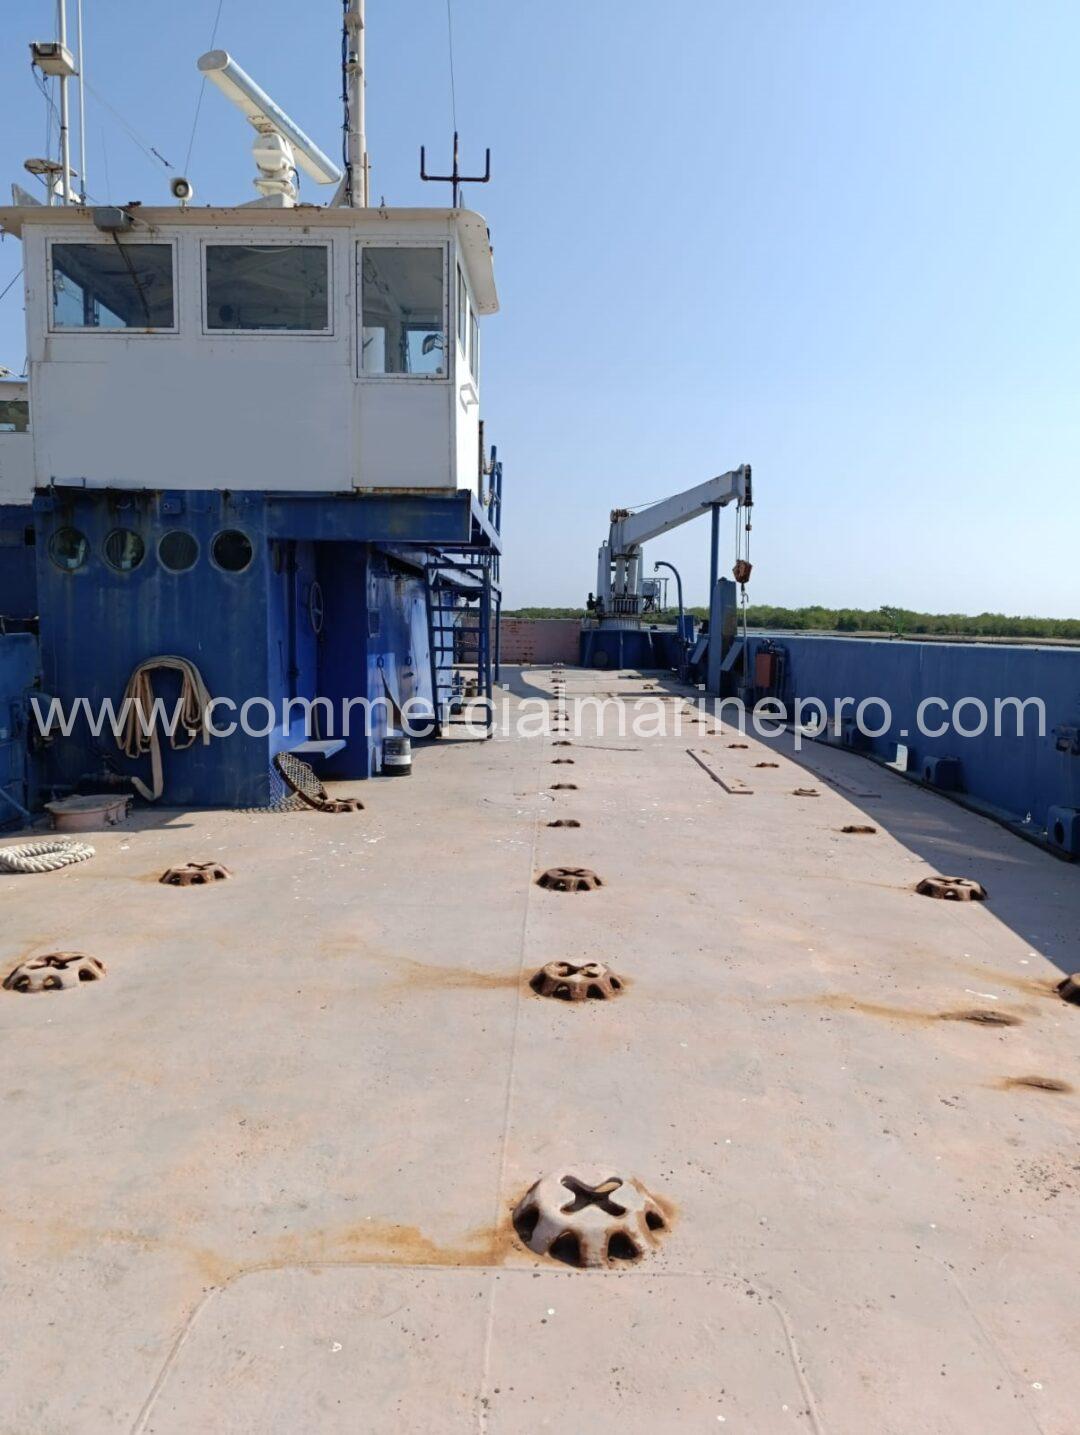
293,349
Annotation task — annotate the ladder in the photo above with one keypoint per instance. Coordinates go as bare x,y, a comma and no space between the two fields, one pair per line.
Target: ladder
459,637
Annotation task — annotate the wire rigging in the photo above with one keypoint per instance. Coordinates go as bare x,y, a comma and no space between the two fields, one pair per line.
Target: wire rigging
9,285
202,89
51,112
146,147
105,164
450,47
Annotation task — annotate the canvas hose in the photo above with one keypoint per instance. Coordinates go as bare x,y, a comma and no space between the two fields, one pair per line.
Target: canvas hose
46,856
139,734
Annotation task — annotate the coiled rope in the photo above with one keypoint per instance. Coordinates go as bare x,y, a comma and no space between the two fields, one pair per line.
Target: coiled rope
139,733
44,856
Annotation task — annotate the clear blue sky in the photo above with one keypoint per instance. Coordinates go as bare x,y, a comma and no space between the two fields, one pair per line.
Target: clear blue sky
836,239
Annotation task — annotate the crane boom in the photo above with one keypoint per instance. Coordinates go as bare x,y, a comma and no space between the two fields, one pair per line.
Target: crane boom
631,530
618,572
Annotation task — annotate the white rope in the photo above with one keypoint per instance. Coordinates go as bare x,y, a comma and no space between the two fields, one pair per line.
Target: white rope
139,733
44,856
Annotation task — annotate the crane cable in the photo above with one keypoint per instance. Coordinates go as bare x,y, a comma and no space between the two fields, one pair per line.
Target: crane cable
742,555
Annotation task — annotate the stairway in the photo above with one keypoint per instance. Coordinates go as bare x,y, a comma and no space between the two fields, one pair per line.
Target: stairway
459,637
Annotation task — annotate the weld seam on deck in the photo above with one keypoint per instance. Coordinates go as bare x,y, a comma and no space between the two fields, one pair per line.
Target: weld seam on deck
485,1367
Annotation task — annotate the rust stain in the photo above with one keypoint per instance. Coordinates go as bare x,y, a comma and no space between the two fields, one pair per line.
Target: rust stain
349,945
1034,1083
436,978
57,1237
839,1002
387,1243
982,1016
1030,986
363,1243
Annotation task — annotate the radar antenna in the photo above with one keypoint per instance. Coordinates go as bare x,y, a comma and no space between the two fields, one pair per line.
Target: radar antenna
280,144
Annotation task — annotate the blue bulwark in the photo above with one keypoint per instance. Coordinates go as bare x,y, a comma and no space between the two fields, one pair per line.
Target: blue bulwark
18,675
1031,695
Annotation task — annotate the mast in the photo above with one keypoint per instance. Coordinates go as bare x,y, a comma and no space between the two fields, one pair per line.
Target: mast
65,138
356,155
82,101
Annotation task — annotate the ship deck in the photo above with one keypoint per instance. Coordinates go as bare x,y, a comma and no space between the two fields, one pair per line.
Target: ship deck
260,1177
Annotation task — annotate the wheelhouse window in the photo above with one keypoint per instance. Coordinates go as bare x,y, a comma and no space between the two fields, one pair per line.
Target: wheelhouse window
474,345
283,287
14,415
112,286
404,307
462,310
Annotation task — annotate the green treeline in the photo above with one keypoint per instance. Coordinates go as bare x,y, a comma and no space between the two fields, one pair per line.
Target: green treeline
886,619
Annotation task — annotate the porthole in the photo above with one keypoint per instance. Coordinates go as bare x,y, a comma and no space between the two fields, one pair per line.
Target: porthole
178,551
68,549
232,550
124,550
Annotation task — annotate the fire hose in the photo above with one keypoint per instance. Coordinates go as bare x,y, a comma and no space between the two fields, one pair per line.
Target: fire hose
139,734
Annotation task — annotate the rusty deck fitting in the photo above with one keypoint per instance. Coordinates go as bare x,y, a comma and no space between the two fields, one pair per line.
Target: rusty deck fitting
562,742
952,889
564,822
591,1221
195,874
766,764
569,879
738,745
1069,989
562,762
859,829
54,972
805,792
595,981
564,787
